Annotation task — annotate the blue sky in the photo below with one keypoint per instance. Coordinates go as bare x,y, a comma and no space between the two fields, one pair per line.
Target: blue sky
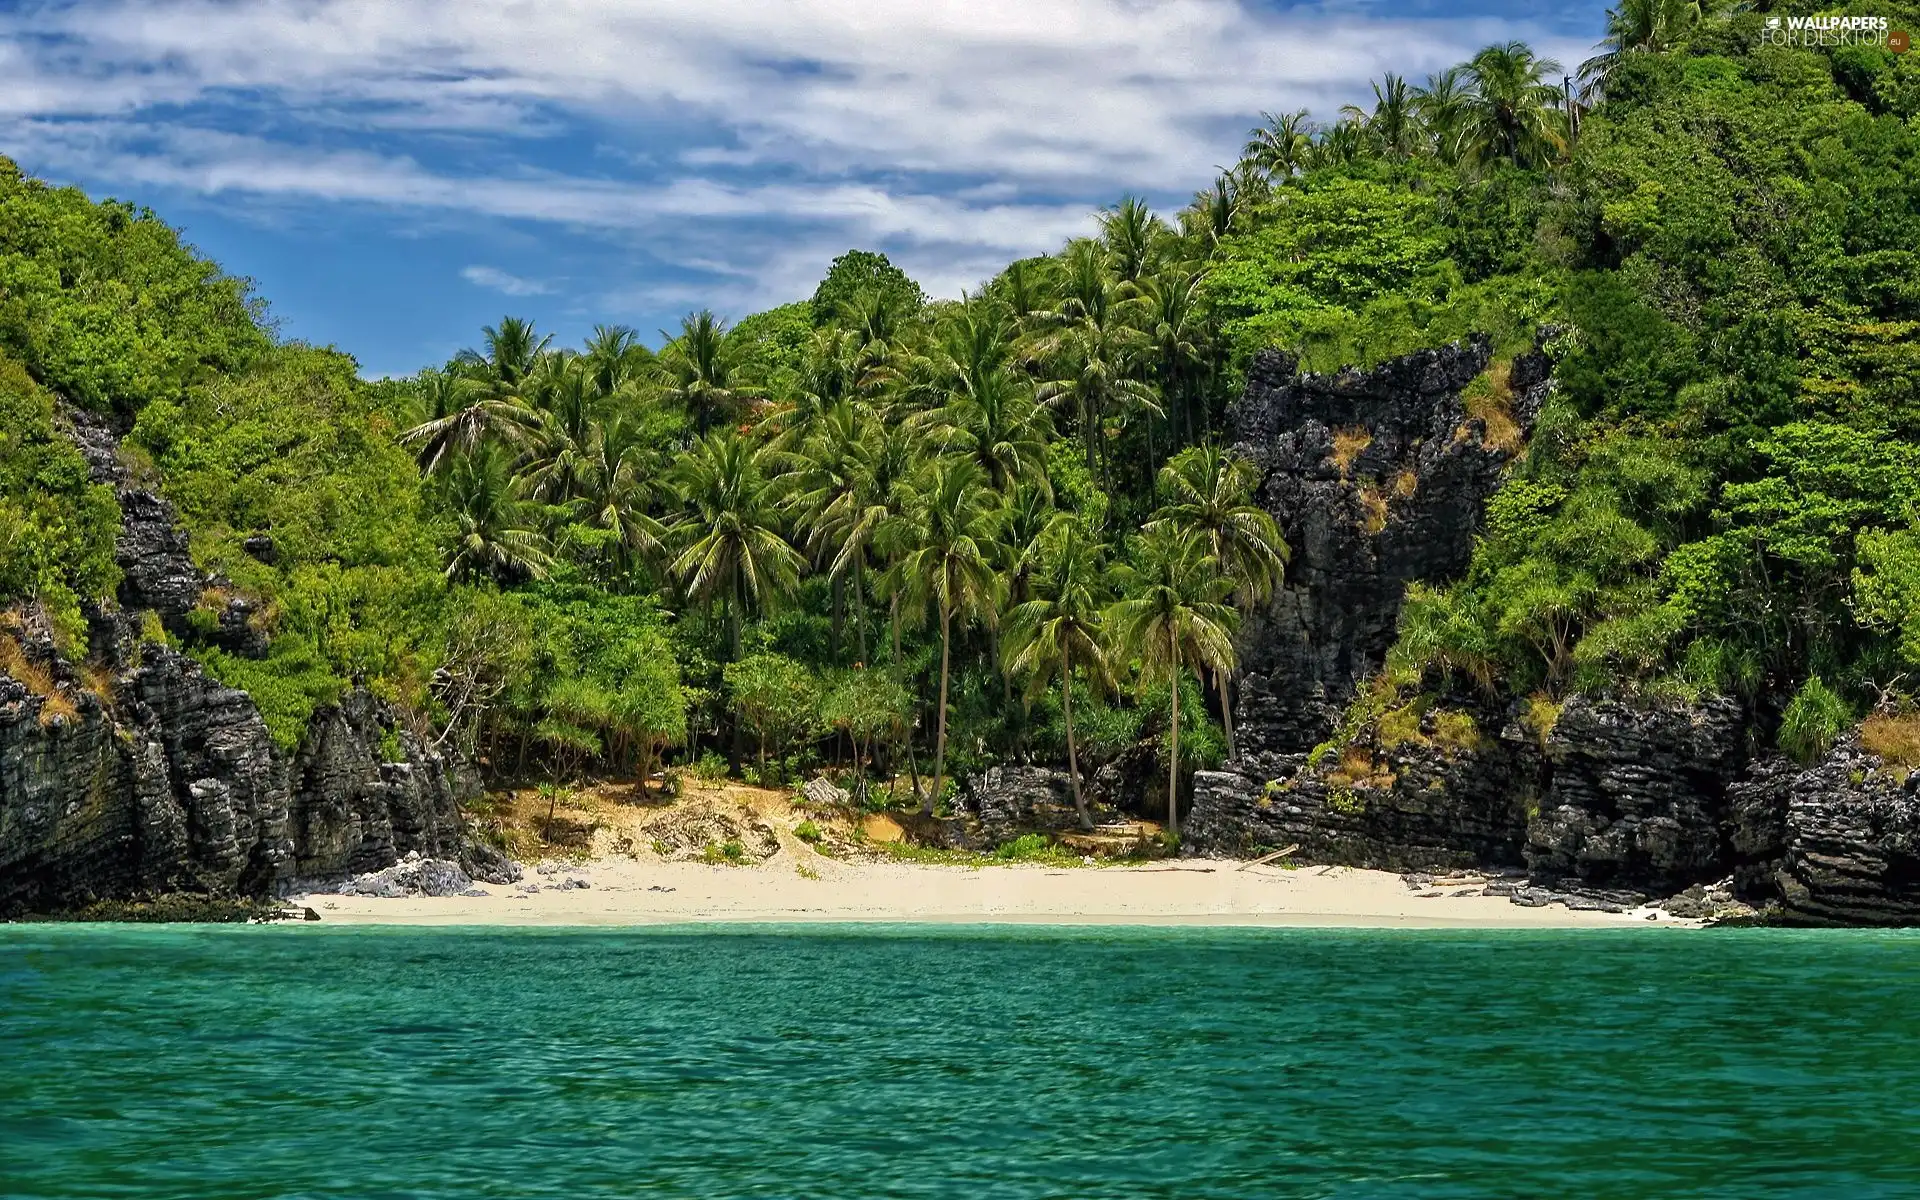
397,173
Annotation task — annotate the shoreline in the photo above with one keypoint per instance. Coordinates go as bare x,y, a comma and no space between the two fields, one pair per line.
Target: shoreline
812,889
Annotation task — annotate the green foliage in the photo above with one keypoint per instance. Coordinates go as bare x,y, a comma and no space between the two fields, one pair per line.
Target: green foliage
57,528
808,832
710,767
776,340
776,697
864,271
103,303
1813,720
1332,246
580,558
289,685
1886,587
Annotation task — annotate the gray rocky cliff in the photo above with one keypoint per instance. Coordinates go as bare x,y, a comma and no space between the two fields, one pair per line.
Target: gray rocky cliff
1638,795
1379,479
1836,842
157,779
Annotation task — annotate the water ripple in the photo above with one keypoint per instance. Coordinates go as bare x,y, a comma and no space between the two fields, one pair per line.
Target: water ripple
922,1062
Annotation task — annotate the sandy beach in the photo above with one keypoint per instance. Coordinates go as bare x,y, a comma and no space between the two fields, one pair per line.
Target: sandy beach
807,887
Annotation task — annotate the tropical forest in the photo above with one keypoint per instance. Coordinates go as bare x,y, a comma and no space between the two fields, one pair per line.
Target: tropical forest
902,538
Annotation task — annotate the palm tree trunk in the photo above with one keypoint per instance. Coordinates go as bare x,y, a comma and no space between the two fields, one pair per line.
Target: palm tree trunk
940,737
1226,708
1073,756
733,614
839,617
739,745
1173,750
860,603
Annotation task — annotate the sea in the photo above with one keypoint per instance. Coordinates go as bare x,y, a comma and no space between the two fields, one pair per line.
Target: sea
956,1061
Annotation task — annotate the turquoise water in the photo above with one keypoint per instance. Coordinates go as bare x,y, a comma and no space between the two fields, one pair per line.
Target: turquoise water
924,1062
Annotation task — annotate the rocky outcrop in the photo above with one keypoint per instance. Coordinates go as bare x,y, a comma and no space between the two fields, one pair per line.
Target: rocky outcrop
1377,479
412,876
1007,801
153,778
178,788
353,810
1834,843
1454,794
157,574
1638,797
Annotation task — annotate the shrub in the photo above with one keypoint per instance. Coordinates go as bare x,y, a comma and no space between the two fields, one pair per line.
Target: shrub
1373,510
1489,400
1345,801
1814,720
808,832
1456,731
711,768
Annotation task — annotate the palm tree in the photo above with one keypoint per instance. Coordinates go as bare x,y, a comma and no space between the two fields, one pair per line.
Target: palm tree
567,424
879,326
615,359
495,534
1394,123
825,482
1250,185
1094,347
1211,215
1174,617
869,514
1176,336
699,367
1023,287
512,350
1341,145
1512,113
734,550
1061,629
1210,496
950,523
614,490
990,414
1133,237
1637,26
481,396
1280,147
1442,106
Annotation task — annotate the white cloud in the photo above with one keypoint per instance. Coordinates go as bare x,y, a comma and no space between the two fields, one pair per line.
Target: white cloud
740,135
494,279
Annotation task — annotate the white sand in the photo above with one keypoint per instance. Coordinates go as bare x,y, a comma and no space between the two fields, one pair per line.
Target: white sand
626,891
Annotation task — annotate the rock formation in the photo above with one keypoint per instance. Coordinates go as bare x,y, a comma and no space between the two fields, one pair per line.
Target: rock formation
158,779
1833,843
1379,479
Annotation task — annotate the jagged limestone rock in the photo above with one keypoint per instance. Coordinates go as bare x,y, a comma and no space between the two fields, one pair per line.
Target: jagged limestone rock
166,781
1639,794
1378,479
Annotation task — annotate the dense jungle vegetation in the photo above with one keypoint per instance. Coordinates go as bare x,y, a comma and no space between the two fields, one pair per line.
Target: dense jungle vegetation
915,536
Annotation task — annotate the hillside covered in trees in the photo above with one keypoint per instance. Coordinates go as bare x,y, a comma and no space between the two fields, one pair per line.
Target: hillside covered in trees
913,537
